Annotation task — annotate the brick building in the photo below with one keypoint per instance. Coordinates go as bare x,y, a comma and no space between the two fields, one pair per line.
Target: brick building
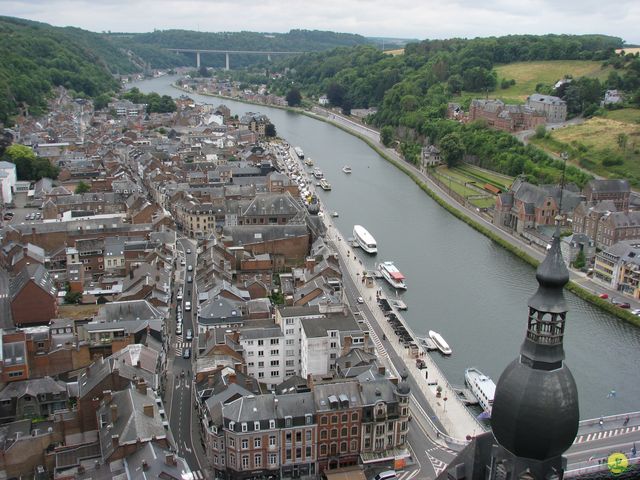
33,297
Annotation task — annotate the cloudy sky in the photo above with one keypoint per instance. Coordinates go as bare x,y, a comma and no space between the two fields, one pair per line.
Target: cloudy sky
391,18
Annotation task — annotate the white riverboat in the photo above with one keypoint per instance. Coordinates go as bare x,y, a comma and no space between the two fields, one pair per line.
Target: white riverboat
346,169
481,386
299,152
364,239
440,342
318,173
324,184
392,275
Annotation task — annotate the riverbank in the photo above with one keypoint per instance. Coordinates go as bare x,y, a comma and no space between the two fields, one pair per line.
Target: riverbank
503,239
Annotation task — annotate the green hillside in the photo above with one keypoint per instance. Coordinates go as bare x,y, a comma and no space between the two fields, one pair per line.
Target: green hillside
529,74
35,57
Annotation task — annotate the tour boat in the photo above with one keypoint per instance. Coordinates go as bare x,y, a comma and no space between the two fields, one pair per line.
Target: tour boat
324,184
335,214
317,173
481,386
346,169
440,343
308,162
364,239
299,152
392,275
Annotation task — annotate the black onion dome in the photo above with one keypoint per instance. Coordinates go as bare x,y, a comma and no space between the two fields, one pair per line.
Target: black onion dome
552,276
535,412
403,387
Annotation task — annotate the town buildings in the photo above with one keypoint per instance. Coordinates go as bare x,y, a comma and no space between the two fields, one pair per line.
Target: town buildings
553,108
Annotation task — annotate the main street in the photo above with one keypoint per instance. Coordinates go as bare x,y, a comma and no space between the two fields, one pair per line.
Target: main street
182,417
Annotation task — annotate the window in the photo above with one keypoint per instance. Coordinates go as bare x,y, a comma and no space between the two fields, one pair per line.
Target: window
232,425
334,433
323,450
245,461
275,352
354,430
275,373
323,435
308,452
275,363
290,363
334,344
289,321
260,353
332,357
323,420
272,440
287,437
256,425
354,445
298,436
334,334
257,460
245,444
290,341
250,353
334,419
344,432
232,442
343,447
257,443
289,331
260,364
288,455
275,341
272,425
232,459
354,417
298,452
250,364
308,420
260,374
260,342
273,458
287,421
249,342
345,418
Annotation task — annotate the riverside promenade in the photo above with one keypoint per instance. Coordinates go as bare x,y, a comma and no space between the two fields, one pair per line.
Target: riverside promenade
457,420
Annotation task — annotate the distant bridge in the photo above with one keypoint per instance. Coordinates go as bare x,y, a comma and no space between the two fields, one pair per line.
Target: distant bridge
198,51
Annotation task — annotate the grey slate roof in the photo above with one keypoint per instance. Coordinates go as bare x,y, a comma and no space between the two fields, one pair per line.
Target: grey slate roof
318,327
154,457
252,234
609,186
33,387
38,274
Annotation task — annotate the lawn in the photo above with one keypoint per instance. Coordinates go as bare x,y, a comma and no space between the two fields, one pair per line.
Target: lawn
594,145
457,180
528,74
626,115
483,176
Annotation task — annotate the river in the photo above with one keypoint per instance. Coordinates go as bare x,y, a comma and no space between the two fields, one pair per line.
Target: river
460,283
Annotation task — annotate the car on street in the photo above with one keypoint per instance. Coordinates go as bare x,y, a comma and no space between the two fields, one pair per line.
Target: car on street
189,335
188,251
360,300
620,303
179,296
189,279
183,262
178,329
604,295
186,353
187,306
636,311
190,268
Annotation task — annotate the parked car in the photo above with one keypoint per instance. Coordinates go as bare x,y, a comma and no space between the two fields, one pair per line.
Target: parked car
189,335
178,329
360,300
620,303
190,268
186,353
636,311
604,295
188,251
187,306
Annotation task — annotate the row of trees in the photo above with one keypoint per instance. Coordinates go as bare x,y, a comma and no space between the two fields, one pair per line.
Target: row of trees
155,102
28,165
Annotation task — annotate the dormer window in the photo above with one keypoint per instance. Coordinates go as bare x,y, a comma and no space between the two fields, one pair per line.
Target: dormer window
256,426
244,426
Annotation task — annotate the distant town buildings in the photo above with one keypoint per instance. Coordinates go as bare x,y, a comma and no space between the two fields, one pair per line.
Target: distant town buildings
553,108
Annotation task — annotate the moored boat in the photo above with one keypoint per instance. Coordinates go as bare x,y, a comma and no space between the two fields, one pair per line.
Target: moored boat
364,239
346,169
324,184
392,275
317,173
308,162
442,345
482,387
299,152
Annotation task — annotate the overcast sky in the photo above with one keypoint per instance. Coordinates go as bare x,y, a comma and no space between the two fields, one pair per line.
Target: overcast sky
391,18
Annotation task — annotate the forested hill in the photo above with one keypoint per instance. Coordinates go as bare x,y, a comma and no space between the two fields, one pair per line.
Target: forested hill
295,40
34,57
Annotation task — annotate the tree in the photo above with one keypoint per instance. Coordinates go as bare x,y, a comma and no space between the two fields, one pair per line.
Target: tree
451,149
293,97
386,135
541,131
82,187
203,71
622,140
270,130
346,107
72,297
580,260
335,94
28,165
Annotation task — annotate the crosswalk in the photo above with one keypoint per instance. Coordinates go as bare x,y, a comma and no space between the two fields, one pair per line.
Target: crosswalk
438,465
407,474
197,475
180,345
590,437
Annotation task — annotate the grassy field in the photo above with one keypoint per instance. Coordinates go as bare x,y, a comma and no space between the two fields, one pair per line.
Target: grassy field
459,182
626,115
594,145
528,74
77,312
484,176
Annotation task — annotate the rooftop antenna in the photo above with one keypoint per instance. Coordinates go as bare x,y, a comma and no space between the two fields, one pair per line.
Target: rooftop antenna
564,157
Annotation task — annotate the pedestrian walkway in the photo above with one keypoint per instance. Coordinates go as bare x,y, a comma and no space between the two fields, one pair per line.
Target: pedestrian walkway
590,437
197,475
454,416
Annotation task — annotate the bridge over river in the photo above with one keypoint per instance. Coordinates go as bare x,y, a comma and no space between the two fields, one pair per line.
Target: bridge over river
199,51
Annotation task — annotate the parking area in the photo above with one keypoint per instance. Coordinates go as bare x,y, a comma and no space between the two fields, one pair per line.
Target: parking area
21,213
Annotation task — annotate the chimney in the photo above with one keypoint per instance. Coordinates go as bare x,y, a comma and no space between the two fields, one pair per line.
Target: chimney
114,413
381,369
210,380
248,383
170,459
107,396
138,364
115,441
141,386
232,378
148,410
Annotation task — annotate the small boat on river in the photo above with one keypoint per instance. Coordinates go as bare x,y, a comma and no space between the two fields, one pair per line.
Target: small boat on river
442,345
324,184
346,169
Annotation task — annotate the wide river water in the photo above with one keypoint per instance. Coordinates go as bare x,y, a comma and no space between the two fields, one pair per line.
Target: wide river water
460,283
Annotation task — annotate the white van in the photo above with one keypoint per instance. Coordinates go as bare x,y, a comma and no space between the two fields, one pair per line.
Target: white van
386,475
187,306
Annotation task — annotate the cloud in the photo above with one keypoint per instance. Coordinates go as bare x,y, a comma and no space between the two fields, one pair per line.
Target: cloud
393,18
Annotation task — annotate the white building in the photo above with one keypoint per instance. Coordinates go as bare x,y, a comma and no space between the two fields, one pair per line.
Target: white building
264,353
8,179
290,321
